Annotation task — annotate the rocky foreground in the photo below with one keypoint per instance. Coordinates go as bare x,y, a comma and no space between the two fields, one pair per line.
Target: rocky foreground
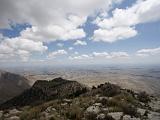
60,99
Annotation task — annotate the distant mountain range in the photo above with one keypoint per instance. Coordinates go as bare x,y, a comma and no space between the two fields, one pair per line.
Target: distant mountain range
43,91
11,85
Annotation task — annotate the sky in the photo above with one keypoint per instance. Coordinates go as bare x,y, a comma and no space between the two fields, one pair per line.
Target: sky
79,32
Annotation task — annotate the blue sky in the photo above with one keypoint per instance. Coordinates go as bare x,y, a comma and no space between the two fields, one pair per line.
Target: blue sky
113,31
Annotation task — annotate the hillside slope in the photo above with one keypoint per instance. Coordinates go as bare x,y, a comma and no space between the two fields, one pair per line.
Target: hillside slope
11,85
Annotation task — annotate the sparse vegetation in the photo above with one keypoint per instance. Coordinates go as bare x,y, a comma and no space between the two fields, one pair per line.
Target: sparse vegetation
52,118
111,102
130,110
78,92
31,114
91,116
108,117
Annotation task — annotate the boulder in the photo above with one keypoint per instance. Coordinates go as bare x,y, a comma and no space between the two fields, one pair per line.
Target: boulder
116,115
50,109
67,100
13,118
155,104
105,109
14,112
141,111
101,116
128,117
64,104
97,104
101,98
6,115
93,109
44,113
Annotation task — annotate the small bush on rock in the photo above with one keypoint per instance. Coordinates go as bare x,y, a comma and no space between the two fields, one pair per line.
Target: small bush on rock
110,90
143,97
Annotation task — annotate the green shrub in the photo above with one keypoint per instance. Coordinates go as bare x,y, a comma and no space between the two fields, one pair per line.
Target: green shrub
158,110
130,110
108,117
71,115
110,90
112,102
91,116
32,113
78,92
52,118
126,97
115,109
143,97
103,101
131,92
28,115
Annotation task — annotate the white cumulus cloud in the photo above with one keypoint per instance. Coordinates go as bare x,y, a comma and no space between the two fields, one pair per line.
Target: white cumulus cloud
105,55
79,42
118,33
112,55
122,24
148,52
57,53
52,19
101,54
20,48
60,44
80,57
70,48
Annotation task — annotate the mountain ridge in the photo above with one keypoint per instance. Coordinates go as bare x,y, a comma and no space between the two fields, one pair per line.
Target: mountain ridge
43,91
